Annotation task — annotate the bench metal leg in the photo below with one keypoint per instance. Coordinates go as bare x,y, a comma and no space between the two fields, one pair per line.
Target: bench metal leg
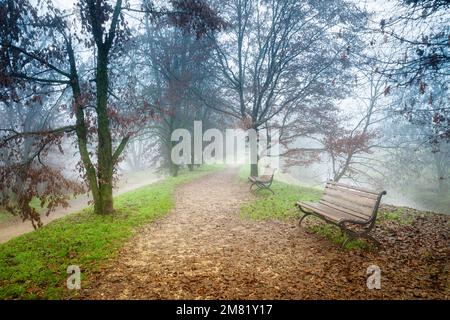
303,217
347,239
371,238
267,188
350,235
261,186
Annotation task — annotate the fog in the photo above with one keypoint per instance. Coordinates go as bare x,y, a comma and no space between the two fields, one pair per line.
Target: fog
358,92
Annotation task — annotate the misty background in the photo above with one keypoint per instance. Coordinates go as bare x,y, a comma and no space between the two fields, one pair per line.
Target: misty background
347,83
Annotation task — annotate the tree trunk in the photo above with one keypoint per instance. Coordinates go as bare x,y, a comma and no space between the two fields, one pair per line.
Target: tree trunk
100,179
104,151
254,169
254,149
191,165
441,174
81,129
174,169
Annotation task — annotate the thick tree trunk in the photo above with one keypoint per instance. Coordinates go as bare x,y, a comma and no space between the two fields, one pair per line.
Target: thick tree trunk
441,174
81,130
174,170
100,179
254,169
191,165
253,150
104,151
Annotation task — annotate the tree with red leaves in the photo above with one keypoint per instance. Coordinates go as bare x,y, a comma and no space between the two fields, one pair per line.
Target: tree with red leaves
29,168
42,47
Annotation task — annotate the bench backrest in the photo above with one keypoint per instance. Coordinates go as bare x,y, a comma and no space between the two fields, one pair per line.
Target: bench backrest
358,202
267,174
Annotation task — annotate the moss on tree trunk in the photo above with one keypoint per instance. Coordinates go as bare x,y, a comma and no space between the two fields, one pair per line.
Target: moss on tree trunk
104,151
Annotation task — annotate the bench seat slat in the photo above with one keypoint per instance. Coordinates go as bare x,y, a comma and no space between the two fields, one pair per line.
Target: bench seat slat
356,214
358,189
328,212
265,178
347,205
345,196
365,197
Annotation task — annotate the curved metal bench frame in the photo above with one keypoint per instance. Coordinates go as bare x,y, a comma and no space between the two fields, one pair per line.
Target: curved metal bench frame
366,225
262,184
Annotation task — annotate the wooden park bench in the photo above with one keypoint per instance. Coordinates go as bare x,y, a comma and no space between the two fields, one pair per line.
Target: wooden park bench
352,209
264,181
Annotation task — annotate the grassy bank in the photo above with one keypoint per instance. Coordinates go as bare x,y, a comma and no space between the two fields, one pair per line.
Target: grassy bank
281,204
34,265
4,215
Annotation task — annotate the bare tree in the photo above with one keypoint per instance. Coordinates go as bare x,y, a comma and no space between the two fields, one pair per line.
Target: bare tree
40,47
418,31
276,53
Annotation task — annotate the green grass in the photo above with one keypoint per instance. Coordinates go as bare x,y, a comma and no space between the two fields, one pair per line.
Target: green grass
281,205
394,215
400,215
335,235
4,215
34,265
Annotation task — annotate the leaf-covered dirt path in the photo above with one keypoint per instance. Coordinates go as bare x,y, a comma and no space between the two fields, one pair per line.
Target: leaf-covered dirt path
203,249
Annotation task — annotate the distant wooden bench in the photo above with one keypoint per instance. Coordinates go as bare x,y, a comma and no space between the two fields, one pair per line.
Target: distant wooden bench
264,181
352,209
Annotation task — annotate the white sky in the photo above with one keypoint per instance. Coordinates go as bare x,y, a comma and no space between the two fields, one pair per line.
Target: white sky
379,7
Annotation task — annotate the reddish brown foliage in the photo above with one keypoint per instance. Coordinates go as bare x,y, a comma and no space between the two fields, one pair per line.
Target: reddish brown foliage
24,178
